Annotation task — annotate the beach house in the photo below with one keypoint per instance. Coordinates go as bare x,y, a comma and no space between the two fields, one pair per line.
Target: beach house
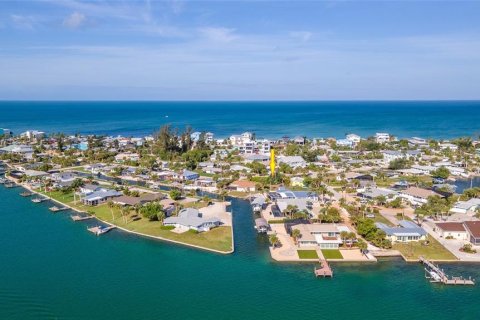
292,161
100,196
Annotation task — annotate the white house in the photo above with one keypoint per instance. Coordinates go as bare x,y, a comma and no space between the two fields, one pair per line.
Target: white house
454,230
466,206
355,139
322,235
382,137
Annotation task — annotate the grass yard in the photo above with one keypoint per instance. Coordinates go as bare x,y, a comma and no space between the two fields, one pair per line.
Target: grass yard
380,218
434,251
332,254
218,238
307,254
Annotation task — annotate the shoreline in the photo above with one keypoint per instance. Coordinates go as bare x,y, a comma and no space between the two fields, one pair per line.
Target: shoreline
126,230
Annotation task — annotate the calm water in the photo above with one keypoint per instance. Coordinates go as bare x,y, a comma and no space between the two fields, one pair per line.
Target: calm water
53,268
267,119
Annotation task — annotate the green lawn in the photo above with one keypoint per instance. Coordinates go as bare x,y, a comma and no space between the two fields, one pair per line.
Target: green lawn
218,238
332,254
380,218
307,254
433,251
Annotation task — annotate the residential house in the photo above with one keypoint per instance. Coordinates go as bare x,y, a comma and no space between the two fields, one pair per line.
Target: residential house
100,196
292,161
382,137
417,196
192,219
322,235
454,230
465,207
243,186
473,229
407,231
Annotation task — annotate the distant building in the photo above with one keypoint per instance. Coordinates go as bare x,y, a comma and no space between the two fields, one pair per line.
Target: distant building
355,139
382,137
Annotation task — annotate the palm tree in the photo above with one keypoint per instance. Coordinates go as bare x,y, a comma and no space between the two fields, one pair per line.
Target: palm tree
111,206
344,236
291,210
296,234
274,241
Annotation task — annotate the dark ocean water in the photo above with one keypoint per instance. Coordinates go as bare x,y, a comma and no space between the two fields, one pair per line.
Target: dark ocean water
446,119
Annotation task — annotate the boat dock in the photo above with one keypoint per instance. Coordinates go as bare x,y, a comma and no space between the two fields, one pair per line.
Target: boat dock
38,200
324,270
81,218
55,209
26,194
436,275
99,230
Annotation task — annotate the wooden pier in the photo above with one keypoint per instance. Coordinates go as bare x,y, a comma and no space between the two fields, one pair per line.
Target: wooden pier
99,230
324,270
38,200
436,275
26,194
81,218
55,209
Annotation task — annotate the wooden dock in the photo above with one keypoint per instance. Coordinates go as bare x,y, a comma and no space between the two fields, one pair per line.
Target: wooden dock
324,270
99,230
38,200
80,218
56,209
26,194
436,275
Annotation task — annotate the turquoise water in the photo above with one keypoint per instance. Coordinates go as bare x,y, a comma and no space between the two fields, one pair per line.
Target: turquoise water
268,119
52,268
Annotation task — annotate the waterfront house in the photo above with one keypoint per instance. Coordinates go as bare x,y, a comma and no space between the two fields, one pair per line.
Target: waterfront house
417,196
186,175
304,205
191,219
465,207
283,193
243,186
100,196
473,229
407,231
87,189
355,139
454,230
382,137
322,235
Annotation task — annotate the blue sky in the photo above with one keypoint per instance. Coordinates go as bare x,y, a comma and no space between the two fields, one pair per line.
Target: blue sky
239,50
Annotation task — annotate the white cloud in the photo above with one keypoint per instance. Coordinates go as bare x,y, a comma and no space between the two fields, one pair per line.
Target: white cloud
23,22
301,35
75,20
218,34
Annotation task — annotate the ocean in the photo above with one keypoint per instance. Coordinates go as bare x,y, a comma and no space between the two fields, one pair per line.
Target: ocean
53,268
427,119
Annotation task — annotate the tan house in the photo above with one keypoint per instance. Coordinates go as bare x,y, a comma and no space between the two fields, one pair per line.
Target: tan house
454,230
243,186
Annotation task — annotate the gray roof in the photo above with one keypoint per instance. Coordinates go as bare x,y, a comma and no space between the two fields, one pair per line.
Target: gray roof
190,217
407,228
